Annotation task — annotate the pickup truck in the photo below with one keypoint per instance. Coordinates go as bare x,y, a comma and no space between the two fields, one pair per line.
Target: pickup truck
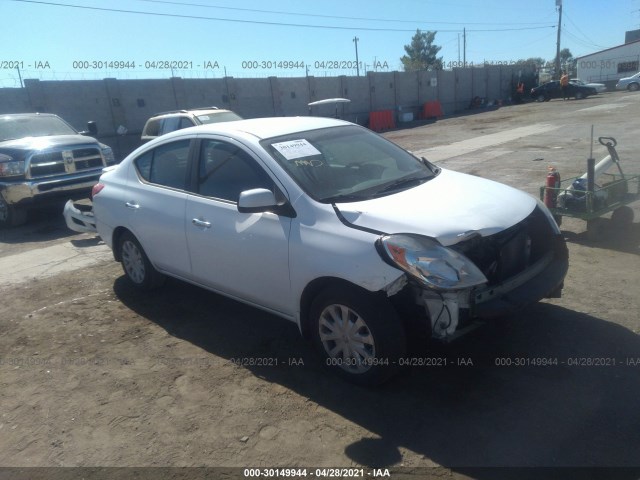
42,158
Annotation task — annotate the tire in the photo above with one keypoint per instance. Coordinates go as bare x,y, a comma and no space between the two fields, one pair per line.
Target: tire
358,334
622,217
579,95
541,98
136,264
10,215
633,87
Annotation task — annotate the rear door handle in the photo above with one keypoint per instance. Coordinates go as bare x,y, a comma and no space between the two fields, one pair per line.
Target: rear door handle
132,205
201,223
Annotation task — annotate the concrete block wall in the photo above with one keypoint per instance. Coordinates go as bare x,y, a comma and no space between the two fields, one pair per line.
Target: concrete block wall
112,103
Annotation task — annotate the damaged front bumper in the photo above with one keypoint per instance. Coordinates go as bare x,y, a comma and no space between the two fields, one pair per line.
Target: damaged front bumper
79,218
454,313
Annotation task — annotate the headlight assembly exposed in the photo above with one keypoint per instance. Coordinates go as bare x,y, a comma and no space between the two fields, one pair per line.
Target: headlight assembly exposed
429,262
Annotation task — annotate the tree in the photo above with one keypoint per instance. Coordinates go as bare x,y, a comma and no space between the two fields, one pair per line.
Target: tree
567,62
538,62
421,53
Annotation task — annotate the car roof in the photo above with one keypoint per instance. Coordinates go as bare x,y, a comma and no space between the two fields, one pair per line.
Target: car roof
192,111
265,127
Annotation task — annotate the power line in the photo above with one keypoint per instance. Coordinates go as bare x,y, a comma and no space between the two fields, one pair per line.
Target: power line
591,42
187,4
258,22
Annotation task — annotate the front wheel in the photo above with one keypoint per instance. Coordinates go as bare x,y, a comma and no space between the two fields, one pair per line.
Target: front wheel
358,333
633,87
136,264
10,215
579,95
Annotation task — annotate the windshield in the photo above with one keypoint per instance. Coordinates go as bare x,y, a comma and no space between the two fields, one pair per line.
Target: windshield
218,117
33,126
346,163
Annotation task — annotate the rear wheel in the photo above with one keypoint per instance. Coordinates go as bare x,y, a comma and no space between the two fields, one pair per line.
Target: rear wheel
358,333
136,264
579,95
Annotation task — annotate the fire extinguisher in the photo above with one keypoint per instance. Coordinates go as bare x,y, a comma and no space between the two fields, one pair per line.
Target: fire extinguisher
552,186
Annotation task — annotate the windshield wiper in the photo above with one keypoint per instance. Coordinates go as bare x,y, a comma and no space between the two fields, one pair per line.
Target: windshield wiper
403,182
345,197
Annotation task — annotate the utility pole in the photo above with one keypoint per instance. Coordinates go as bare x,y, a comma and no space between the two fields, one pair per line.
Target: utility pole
464,47
458,48
355,40
559,5
20,76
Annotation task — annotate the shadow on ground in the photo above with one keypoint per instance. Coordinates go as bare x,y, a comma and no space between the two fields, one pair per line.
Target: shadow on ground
44,224
490,406
613,237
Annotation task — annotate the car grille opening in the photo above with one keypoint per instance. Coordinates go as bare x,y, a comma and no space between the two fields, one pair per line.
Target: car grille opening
510,252
63,162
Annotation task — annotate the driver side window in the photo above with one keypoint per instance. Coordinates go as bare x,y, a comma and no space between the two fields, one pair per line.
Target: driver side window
225,170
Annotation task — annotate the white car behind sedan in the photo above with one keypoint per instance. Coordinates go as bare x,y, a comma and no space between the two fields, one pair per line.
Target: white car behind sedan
631,83
330,226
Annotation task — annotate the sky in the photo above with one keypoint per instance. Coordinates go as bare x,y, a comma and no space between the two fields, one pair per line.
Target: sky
135,39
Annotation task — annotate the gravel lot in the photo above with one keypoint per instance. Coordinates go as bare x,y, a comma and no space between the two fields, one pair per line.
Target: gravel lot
93,373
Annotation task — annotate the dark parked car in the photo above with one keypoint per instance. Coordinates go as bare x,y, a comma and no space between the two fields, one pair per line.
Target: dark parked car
549,90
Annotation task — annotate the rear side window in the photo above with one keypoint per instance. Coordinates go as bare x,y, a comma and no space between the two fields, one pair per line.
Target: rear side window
152,128
165,165
170,124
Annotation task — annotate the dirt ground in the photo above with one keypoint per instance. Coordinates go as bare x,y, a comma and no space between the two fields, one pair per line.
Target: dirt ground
95,374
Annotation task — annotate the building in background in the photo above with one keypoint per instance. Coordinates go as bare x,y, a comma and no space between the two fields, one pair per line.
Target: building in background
607,66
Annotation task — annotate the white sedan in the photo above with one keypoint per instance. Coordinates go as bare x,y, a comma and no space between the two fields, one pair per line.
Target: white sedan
330,226
599,87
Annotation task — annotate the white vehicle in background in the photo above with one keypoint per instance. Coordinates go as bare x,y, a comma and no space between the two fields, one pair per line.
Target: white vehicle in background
599,87
629,83
330,226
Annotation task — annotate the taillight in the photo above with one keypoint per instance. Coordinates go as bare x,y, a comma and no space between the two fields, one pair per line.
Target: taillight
97,188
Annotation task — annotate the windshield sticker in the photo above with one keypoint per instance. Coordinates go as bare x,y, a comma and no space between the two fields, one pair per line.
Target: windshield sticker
204,118
296,149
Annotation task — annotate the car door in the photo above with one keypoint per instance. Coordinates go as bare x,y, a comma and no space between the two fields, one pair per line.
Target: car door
155,202
240,254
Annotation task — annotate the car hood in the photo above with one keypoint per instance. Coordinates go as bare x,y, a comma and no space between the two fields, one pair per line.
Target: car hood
40,143
450,208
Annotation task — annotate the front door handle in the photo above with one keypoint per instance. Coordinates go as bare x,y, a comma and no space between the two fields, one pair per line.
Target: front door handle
201,223
133,205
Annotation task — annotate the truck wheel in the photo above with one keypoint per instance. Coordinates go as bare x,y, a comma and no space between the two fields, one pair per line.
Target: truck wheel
10,215
358,334
136,264
622,216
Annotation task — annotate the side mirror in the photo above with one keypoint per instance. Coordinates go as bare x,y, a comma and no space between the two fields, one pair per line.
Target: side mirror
92,127
259,200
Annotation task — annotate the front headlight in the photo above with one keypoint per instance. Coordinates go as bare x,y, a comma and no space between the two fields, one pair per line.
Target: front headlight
10,167
429,262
